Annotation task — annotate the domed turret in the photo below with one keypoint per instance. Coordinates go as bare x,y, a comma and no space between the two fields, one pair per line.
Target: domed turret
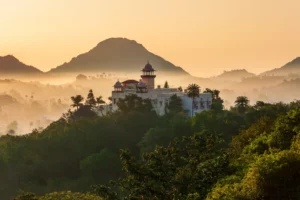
148,76
141,87
141,84
118,86
148,68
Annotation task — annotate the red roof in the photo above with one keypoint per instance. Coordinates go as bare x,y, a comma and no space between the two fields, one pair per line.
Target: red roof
130,81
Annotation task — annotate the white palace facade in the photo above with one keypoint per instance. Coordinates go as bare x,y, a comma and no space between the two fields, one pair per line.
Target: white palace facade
145,88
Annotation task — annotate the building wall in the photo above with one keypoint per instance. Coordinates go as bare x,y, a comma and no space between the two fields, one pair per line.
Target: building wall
161,97
149,81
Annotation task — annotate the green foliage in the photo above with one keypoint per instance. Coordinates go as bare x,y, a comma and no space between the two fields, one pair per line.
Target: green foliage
133,103
274,176
242,104
176,126
263,125
189,165
97,163
175,105
217,154
223,123
217,103
59,196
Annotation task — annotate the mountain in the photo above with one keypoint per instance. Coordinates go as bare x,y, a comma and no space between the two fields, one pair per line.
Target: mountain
9,65
292,67
234,75
117,55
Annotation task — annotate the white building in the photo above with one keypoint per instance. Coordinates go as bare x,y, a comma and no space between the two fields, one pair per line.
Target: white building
145,88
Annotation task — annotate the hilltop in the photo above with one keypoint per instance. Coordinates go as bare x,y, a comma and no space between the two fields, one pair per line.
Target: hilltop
234,75
11,65
292,67
117,55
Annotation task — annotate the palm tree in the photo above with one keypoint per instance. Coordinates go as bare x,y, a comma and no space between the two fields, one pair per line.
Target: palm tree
99,102
242,103
77,101
193,91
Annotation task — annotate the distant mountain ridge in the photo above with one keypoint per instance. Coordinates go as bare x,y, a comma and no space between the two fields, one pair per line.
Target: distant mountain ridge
292,67
235,75
11,65
117,55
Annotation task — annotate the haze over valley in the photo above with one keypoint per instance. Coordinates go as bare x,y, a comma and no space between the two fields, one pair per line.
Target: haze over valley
149,100
34,98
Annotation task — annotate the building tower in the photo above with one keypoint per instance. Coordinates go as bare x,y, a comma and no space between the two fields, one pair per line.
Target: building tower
148,76
118,87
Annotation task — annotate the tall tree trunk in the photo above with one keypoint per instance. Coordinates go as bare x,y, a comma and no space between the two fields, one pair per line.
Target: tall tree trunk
193,103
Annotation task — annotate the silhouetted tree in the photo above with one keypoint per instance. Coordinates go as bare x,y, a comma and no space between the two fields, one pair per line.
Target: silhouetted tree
217,101
90,100
166,84
180,89
242,103
193,91
100,102
77,101
175,105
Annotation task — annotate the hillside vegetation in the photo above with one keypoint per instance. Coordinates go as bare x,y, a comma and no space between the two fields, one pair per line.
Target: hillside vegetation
247,152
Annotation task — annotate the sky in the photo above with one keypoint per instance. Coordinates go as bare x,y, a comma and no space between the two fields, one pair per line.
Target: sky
205,37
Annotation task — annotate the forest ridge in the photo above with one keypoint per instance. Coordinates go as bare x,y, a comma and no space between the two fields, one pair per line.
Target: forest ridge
247,152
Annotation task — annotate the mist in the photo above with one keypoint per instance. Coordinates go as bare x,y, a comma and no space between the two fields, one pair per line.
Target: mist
34,102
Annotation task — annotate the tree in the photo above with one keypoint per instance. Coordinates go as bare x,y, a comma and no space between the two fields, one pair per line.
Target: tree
175,105
110,99
77,101
187,166
90,100
84,111
134,103
193,91
217,101
59,196
100,102
242,103
180,89
166,84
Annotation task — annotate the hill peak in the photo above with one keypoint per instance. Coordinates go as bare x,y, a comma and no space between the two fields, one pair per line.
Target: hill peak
294,62
239,72
118,54
292,67
9,58
235,75
118,40
11,65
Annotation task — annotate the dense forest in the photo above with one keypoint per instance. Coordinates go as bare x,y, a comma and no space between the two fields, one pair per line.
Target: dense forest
246,152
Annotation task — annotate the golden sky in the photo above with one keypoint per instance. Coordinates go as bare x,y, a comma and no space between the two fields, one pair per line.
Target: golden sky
204,37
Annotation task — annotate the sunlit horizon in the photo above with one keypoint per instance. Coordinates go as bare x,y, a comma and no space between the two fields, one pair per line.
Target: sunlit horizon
203,37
